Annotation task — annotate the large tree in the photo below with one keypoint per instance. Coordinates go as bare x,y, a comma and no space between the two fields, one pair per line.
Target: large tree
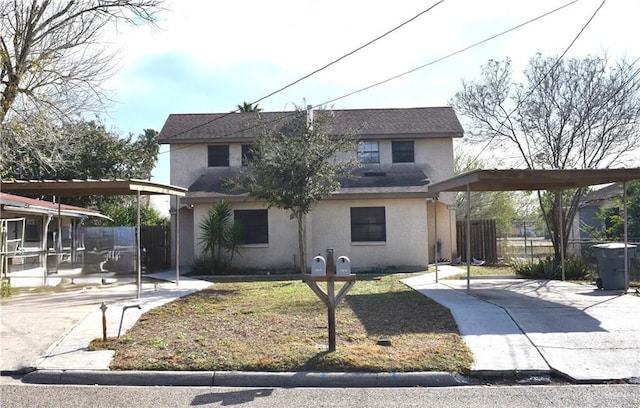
53,61
564,114
295,164
52,52
95,153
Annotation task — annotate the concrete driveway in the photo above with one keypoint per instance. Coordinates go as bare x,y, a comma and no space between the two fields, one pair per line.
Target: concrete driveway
53,330
573,330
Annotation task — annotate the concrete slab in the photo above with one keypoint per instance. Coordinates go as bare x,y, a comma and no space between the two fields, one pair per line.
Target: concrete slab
580,332
53,331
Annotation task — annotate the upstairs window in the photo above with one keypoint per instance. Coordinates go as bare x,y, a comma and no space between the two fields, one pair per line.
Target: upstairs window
368,152
218,156
247,154
368,224
402,151
254,226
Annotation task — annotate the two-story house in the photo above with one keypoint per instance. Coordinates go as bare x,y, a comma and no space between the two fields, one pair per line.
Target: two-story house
380,218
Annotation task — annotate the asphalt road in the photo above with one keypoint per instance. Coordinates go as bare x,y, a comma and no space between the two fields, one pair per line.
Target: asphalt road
583,396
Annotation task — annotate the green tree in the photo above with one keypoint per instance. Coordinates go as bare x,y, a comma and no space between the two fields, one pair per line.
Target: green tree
295,164
613,217
124,212
95,153
565,114
249,107
497,205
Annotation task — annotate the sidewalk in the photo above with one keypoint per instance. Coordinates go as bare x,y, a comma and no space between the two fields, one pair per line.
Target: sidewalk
515,328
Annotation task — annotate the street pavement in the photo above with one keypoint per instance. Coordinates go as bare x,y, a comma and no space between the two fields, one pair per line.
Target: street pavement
515,328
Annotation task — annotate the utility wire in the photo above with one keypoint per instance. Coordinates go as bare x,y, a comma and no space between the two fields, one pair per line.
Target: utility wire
453,53
317,70
553,67
389,79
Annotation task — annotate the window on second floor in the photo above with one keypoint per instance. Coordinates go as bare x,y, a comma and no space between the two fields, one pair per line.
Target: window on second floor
368,224
247,154
402,151
254,226
369,152
218,155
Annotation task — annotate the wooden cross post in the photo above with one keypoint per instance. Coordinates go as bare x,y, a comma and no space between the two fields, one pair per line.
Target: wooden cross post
330,299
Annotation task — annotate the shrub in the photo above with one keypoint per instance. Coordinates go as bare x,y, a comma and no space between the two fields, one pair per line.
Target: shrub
575,268
5,288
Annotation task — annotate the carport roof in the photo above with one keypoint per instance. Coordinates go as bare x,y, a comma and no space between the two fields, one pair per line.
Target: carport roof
529,180
90,187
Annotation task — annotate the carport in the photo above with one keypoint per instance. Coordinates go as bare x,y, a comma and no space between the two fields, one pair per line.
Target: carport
61,188
533,180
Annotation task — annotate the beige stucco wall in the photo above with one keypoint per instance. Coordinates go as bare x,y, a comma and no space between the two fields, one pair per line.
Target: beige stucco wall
279,253
331,228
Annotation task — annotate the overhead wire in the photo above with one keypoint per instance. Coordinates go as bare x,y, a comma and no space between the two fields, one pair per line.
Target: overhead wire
450,55
319,69
551,69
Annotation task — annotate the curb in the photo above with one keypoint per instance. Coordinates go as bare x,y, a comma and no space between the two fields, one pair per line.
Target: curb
245,379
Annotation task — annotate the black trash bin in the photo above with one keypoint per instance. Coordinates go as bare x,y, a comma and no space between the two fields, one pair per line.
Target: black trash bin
611,264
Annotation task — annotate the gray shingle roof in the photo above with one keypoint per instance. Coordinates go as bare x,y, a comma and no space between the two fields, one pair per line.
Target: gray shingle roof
414,122
362,182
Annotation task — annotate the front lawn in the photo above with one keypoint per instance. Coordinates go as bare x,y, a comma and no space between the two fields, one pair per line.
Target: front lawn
278,325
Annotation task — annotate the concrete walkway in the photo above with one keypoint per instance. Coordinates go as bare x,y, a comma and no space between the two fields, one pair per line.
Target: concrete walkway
519,325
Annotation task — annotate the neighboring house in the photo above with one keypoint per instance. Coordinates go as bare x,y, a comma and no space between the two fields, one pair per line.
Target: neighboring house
31,245
380,218
586,223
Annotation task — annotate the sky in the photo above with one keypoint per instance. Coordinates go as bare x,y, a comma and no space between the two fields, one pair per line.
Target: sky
209,56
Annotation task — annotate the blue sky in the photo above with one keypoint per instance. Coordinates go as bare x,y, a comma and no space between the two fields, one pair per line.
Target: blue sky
209,56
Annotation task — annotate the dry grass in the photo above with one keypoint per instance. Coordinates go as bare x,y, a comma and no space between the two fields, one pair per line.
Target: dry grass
282,326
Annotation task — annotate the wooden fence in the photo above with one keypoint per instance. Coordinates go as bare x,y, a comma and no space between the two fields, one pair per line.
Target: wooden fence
483,240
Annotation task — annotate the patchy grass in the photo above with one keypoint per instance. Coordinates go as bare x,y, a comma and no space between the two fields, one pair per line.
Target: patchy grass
282,326
487,271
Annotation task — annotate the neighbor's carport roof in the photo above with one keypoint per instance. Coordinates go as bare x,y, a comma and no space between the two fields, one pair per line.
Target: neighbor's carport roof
90,187
530,180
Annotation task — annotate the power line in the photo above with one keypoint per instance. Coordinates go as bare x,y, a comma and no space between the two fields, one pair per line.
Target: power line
553,67
391,78
453,53
319,69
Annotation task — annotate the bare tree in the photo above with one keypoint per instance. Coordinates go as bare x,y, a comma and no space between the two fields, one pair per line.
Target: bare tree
51,53
566,114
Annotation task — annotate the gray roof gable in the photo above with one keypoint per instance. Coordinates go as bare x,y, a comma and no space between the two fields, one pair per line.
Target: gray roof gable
370,123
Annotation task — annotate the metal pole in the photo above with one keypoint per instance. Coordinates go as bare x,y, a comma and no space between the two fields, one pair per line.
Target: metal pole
626,237
560,230
468,239
435,238
138,263
177,226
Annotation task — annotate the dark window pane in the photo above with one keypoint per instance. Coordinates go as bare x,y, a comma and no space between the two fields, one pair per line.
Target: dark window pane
254,225
368,224
402,151
218,156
